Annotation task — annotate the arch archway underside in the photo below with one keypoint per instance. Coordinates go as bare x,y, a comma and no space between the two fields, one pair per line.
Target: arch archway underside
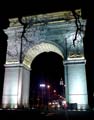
37,49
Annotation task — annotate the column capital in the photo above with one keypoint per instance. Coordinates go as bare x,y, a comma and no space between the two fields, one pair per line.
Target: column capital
83,61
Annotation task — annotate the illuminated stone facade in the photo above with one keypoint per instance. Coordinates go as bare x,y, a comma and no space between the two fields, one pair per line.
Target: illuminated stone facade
46,32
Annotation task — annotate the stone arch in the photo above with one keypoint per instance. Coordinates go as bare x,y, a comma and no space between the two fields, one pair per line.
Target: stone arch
39,48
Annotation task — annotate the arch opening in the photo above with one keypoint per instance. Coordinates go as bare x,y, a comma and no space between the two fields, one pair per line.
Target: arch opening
45,61
47,71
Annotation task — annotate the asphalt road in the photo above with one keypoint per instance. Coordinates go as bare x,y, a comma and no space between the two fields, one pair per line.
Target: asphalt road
52,115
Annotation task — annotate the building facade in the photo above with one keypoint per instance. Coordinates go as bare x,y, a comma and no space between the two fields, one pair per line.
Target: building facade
44,33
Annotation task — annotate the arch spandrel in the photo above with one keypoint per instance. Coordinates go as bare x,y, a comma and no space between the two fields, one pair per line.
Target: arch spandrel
37,49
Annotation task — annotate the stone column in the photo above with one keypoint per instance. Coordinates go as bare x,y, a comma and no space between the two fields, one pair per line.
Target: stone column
25,86
16,86
12,89
76,85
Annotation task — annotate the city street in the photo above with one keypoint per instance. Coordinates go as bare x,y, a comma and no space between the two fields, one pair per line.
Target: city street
47,115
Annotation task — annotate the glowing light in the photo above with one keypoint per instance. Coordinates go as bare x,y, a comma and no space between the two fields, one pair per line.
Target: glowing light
48,86
64,102
54,91
42,85
49,103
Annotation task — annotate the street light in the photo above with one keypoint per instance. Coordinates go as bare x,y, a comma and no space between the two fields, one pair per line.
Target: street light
42,85
48,86
45,88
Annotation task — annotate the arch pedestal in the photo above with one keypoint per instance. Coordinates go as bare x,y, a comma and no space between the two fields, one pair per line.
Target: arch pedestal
16,86
76,86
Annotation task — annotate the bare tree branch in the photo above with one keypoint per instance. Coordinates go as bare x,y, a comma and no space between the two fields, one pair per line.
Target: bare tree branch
78,25
24,27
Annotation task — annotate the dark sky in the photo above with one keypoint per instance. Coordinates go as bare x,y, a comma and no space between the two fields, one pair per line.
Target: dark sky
26,8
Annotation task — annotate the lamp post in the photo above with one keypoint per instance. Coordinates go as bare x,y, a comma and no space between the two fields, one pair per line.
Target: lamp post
42,86
45,90
48,88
